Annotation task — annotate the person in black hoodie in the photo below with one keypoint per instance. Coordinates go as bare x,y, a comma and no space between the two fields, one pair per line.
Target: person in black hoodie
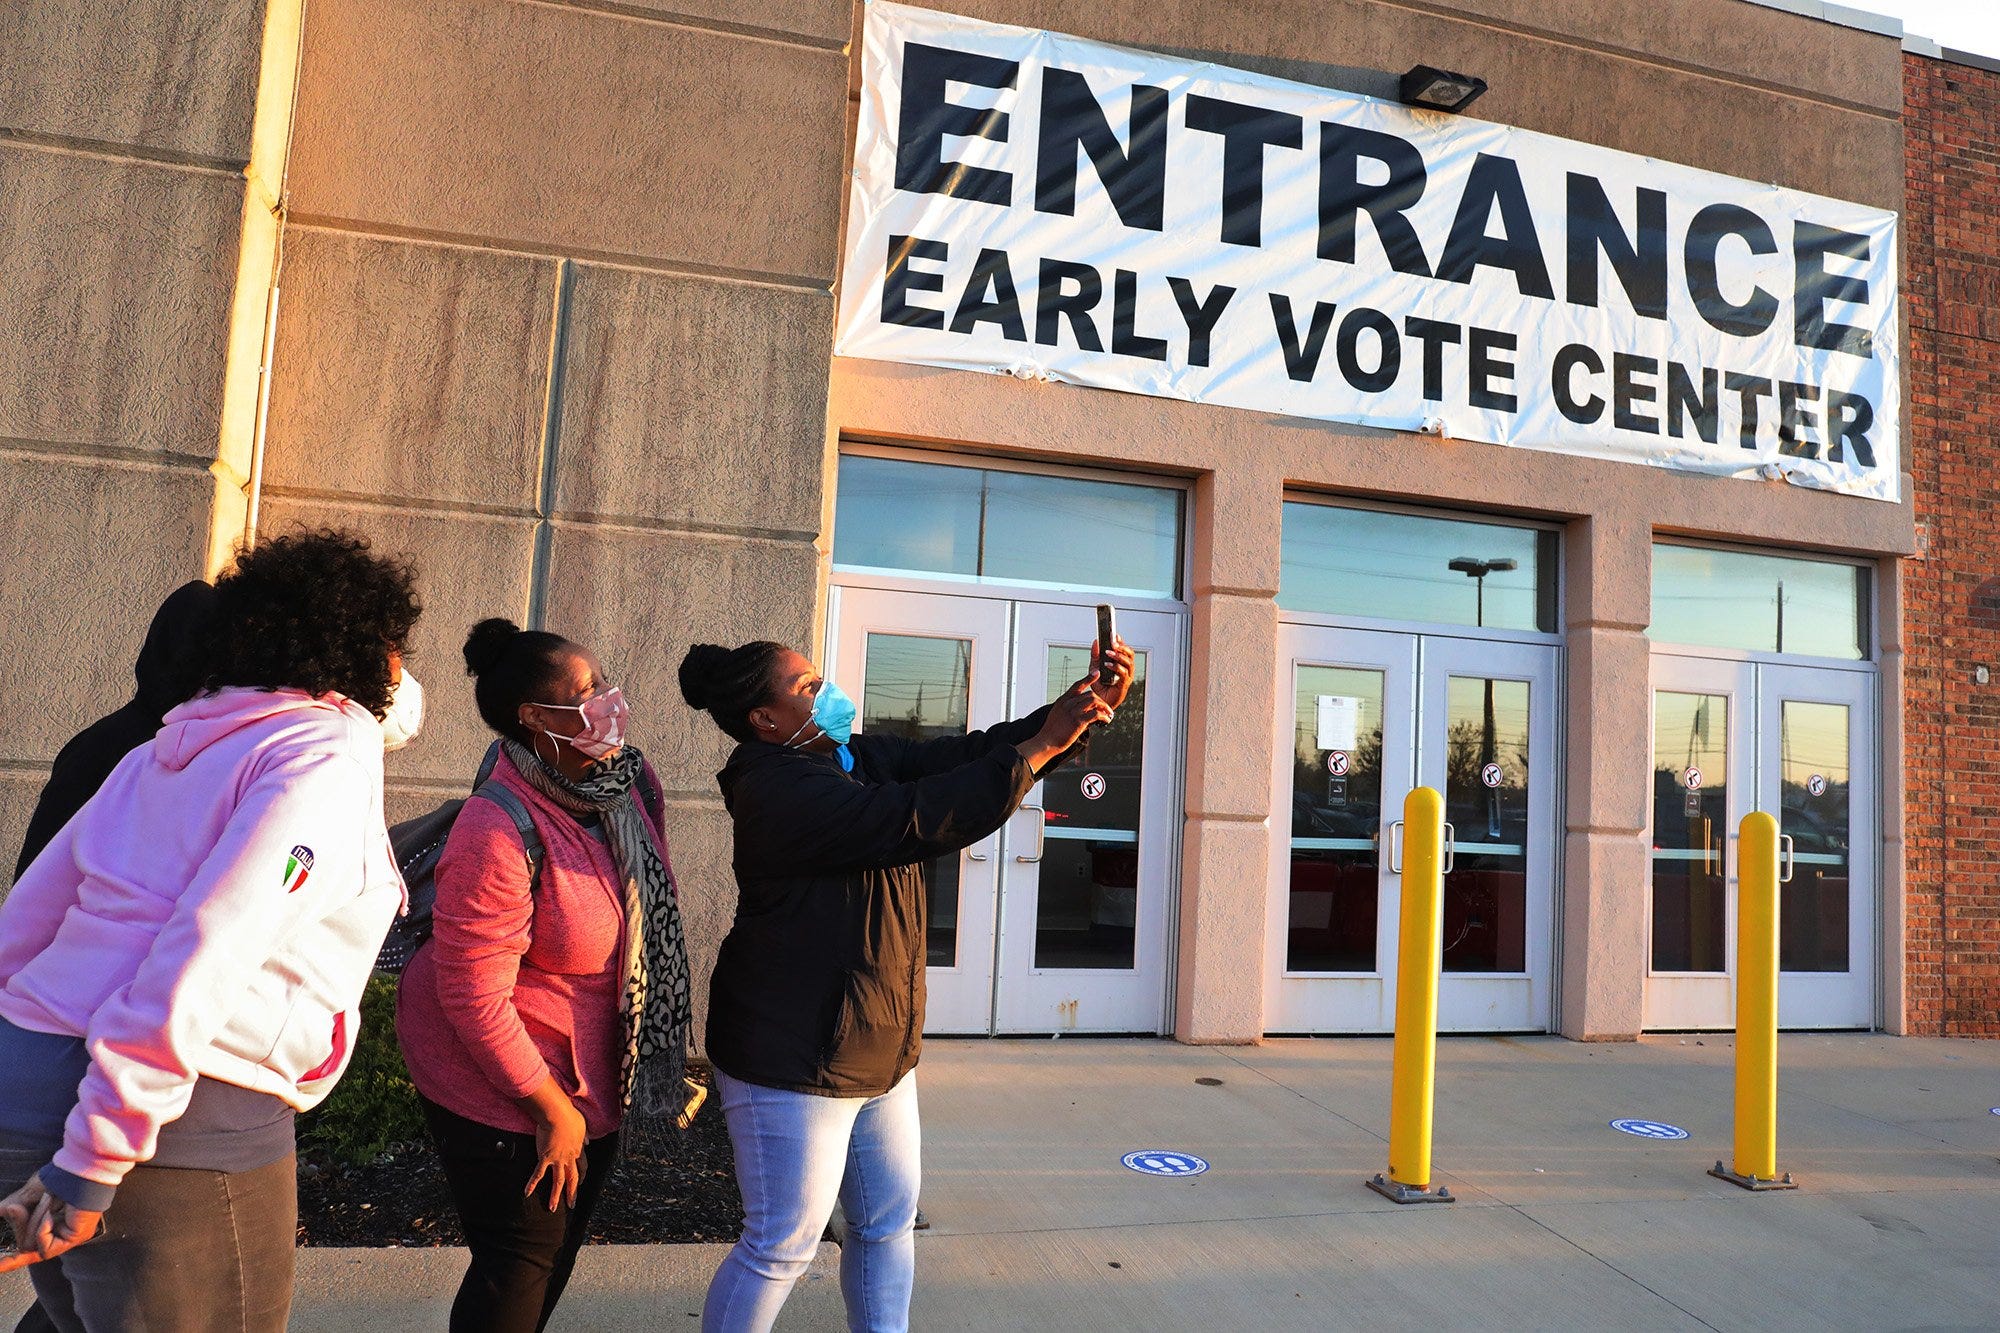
164,681
816,1008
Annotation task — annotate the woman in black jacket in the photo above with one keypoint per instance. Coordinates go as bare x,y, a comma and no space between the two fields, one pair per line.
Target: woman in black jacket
816,1010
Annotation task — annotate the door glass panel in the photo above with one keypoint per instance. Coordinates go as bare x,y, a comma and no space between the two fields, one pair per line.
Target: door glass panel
1486,801
1762,603
1813,812
1336,815
1690,825
1363,562
900,516
918,687
1087,901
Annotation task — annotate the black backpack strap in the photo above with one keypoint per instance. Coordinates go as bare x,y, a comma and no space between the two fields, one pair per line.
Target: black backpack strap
524,824
486,766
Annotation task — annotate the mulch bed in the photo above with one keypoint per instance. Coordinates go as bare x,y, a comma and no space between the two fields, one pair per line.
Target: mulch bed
685,1194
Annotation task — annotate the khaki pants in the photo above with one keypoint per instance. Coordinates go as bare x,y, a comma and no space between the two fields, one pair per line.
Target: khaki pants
182,1251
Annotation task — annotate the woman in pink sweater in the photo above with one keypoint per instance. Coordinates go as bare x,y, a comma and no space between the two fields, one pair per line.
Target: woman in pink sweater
551,1001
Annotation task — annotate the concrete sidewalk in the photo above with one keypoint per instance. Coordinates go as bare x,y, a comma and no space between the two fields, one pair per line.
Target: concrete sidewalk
1563,1223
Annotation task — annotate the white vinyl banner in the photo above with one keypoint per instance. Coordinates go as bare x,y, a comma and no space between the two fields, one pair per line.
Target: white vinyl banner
1054,208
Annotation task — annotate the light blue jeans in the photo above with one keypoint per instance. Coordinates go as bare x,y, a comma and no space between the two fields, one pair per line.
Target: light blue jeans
795,1154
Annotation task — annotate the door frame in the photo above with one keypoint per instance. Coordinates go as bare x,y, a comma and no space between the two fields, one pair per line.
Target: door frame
1288,1001
1742,676
1168,767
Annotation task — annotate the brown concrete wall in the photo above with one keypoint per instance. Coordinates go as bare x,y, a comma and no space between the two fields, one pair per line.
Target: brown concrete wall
1713,83
556,320
124,131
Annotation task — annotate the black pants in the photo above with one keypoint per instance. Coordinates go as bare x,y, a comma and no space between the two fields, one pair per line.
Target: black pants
522,1253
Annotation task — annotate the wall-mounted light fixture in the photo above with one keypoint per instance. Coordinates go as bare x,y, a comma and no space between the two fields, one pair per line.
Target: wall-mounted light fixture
1440,89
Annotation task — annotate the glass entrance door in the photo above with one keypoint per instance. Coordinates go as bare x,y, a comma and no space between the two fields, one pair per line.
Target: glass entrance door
1730,737
1058,922
1364,716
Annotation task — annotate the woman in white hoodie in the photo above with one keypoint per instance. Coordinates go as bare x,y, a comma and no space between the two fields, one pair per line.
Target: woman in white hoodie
180,968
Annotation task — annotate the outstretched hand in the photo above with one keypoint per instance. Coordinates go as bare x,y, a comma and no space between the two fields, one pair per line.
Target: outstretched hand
1075,712
43,1225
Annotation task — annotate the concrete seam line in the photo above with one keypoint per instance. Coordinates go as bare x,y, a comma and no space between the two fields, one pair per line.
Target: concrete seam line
722,27
135,154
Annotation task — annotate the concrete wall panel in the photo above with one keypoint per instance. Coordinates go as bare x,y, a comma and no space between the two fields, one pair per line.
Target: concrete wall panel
1225,867
115,280
1604,931
411,371
18,793
156,74
91,550
687,401
469,566
572,129
700,843
820,20
1231,701
639,599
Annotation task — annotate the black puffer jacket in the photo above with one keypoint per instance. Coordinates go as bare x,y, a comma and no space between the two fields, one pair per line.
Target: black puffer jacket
819,987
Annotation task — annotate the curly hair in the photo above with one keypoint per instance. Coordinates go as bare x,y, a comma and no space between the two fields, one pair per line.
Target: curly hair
312,610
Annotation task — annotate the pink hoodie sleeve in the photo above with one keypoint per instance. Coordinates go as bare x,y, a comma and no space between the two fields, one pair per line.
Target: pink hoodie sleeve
481,927
35,907
248,895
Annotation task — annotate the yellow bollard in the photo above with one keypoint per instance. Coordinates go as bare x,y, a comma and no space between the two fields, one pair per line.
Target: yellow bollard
1757,879
1418,955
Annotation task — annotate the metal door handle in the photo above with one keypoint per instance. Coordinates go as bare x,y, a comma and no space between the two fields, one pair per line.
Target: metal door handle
975,856
1396,848
1450,848
1041,824
1786,861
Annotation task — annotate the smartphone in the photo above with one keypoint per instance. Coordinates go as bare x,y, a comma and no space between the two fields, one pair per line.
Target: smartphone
1107,633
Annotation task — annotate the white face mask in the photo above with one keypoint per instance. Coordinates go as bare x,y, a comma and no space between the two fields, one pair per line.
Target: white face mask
405,717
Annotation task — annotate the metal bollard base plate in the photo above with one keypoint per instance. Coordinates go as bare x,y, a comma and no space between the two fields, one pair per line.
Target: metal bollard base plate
1784,1182
1396,1192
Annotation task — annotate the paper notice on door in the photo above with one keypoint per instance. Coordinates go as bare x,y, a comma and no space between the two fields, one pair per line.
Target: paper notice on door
1339,721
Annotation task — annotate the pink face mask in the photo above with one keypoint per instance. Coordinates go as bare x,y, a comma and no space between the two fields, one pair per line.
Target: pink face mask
604,716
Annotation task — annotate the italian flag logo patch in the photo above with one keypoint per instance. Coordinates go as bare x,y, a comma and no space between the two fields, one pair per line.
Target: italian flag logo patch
297,867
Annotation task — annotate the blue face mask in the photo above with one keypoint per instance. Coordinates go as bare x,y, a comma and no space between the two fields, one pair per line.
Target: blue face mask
833,713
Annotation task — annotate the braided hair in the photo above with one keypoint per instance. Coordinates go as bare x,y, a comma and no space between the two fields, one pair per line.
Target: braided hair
728,682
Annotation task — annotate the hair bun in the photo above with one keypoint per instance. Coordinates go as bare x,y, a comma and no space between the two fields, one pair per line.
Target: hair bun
488,643
698,672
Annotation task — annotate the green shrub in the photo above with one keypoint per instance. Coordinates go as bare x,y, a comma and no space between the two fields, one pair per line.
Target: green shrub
374,1106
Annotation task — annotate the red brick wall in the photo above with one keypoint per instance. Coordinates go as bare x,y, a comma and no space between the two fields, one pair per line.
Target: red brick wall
1951,260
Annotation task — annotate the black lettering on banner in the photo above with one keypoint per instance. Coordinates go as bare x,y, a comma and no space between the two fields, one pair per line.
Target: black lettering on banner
1126,340
1627,391
1002,308
1517,249
1814,287
1641,264
1683,400
1704,238
1301,358
1200,316
1389,356
899,280
926,118
1849,417
1483,366
1433,334
1246,132
1748,388
1794,420
1053,304
1135,178
1582,411
1343,198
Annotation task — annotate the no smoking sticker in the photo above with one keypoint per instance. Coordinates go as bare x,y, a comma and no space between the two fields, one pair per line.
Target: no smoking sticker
1336,763
1093,786
1490,775
1692,779
1816,784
